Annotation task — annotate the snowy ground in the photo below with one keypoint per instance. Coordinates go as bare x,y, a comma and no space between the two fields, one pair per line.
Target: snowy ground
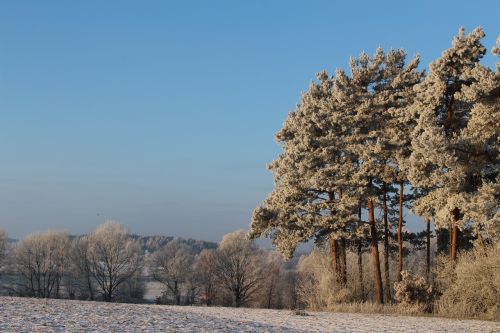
34,315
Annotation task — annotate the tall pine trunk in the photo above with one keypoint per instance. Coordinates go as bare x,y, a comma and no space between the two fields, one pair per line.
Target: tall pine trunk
450,243
375,257
342,255
428,246
335,259
360,269
400,229
450,128
454,244
360,260
343,262
386,246
334,244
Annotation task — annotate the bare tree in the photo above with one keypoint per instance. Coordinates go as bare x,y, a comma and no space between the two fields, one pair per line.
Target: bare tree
193,286
273,281
172,266
206,271
81,266
238,267
40,261
113,257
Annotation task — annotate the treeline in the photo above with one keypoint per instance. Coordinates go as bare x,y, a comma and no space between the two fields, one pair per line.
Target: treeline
362,146
105,264
108,265
114,266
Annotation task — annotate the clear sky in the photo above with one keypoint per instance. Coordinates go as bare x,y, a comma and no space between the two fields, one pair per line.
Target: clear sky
162,114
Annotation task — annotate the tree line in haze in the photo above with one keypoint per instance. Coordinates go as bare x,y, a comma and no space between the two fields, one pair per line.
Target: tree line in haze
109,265
114,266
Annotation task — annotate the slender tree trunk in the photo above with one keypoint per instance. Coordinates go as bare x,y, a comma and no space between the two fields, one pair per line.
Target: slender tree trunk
89,285
58,285
334,245
450,244
343,262
237,299
375,257
450,126
454,244
428,245
342,255
110,288
360,269
400,229
360,260
386,246
335,261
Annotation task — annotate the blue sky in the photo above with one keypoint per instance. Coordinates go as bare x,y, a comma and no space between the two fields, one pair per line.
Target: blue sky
162,114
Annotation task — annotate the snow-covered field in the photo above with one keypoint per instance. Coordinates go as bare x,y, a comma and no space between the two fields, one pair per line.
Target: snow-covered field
34,315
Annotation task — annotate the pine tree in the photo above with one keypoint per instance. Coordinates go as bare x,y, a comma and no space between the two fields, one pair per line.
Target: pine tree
455,142
350,139
311,198
339,156
374,97
399,123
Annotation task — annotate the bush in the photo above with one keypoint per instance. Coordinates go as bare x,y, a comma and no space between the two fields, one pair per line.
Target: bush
413,294
318,289
471,287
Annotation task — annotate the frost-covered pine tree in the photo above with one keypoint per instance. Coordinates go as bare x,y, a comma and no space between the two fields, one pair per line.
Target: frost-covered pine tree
339,155
311,198
354,93
455,142
400,124
374,97
393,94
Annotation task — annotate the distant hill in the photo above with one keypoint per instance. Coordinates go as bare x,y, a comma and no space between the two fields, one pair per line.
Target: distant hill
156,242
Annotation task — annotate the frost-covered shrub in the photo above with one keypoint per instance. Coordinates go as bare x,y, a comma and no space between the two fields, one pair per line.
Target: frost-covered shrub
318,288
413,293
471,287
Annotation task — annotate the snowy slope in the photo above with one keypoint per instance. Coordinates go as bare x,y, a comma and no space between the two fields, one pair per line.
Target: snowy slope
34,315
